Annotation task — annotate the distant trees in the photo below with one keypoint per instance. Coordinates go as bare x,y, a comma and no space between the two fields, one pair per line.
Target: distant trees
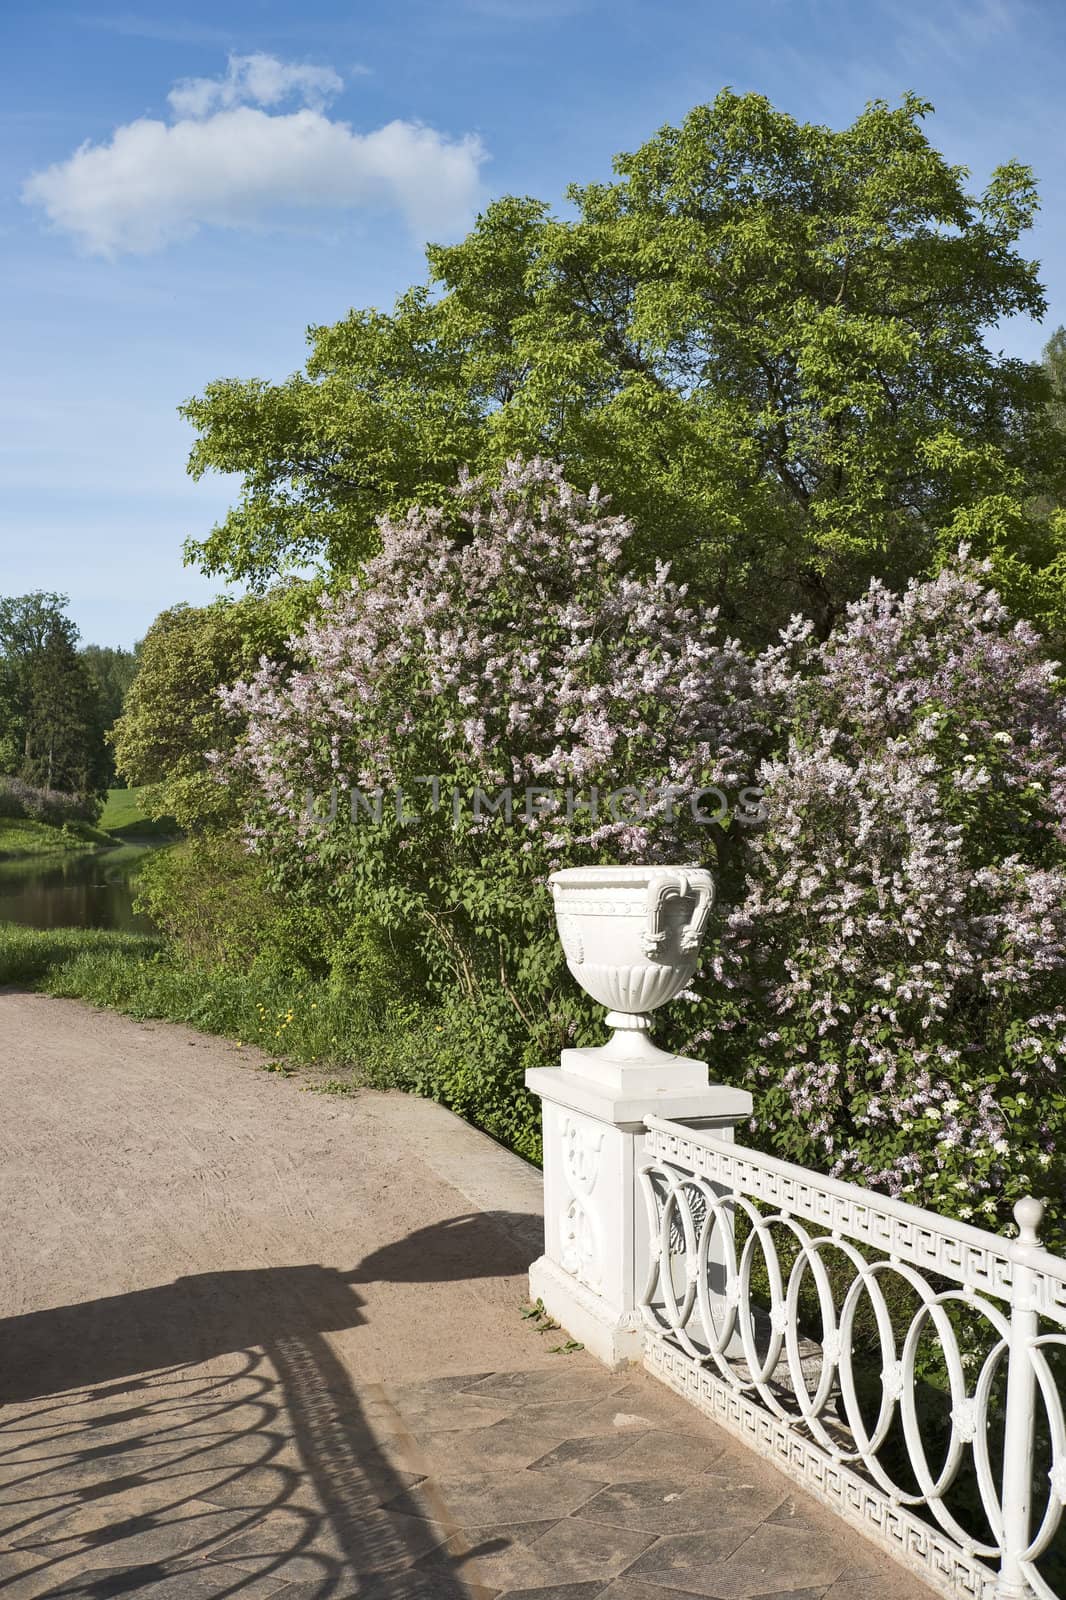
64,735
1054,356
112,670
26,621
52,720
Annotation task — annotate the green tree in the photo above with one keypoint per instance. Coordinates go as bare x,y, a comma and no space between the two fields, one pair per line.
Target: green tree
1054,359
26,622
173,717
12,722
764,339
112,670
64,735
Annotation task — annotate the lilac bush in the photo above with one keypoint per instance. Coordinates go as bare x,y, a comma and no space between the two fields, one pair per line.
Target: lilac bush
895,959
21,799
889,970
497,641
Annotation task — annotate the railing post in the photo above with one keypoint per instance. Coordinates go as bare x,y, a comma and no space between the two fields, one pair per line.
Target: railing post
1021,1406
595,1259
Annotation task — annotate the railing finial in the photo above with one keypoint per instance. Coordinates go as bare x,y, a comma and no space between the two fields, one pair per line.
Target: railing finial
1028,1213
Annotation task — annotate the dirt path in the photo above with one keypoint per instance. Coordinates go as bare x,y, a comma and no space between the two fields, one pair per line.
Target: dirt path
133,1154
260,1342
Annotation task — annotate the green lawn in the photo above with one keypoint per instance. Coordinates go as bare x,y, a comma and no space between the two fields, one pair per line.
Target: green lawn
21,837
124,817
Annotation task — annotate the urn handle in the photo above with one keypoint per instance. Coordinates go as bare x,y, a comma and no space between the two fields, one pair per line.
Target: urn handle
675,883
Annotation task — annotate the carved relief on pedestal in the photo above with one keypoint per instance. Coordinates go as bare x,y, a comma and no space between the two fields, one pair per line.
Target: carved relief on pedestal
580,1244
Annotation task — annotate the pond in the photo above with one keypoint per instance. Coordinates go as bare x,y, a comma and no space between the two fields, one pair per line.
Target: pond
88,889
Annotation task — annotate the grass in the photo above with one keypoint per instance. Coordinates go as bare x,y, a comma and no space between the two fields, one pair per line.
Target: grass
22,837
32,956
124,817
313,1024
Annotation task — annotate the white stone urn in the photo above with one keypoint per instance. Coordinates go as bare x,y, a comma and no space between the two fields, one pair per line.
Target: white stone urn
632,937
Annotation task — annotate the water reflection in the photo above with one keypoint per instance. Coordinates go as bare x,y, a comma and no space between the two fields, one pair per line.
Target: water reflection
91,889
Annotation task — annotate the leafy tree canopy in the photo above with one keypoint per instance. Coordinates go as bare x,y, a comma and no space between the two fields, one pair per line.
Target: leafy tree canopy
26,620
64,746
764,339
1054,355
112,670
51,731
173,715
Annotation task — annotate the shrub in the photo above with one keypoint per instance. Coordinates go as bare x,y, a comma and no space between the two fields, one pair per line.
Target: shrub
896,962
171,715
888,973
21,799
496,641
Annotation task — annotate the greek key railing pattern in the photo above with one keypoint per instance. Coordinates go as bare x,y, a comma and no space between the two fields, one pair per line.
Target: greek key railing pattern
761,1275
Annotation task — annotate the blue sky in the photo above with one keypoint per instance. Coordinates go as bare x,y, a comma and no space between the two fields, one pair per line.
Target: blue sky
333,139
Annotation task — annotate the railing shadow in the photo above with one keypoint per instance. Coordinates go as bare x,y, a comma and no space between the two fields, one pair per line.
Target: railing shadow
216,1408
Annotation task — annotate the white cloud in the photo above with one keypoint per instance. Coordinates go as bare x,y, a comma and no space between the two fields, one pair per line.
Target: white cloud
231,165
258,80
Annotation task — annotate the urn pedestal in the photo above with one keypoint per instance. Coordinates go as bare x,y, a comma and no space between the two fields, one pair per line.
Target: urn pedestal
631,937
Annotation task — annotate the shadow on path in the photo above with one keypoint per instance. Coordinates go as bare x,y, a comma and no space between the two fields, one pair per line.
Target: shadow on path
480,1244
202,1438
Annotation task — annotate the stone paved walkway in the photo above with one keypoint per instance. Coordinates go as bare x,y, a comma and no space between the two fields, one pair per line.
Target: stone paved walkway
256,1342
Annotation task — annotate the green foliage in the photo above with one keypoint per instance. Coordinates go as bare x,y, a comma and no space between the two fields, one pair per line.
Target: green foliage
111,671
51,732
64,744
212,898
477,660
890,982
26,620
476,1051
36,955
1054,359
764,340
173,718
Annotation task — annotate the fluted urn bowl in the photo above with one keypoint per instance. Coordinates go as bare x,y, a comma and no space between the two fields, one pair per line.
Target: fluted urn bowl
632,937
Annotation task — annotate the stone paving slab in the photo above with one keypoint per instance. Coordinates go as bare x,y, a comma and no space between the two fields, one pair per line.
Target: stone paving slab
229,1478
256,1344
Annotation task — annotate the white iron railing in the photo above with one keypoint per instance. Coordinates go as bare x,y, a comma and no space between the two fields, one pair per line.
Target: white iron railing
775,1295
